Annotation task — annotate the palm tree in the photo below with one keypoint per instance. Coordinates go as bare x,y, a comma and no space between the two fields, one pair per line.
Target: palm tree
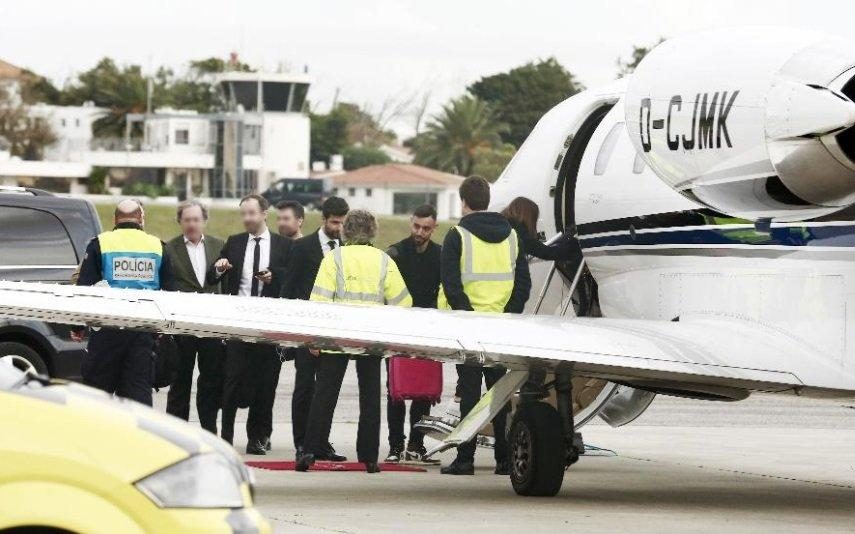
453,139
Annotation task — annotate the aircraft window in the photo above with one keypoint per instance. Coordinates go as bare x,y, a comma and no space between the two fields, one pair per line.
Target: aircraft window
638,164
606,149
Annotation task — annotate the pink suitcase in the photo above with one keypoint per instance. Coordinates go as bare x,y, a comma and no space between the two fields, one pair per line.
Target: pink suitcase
414,379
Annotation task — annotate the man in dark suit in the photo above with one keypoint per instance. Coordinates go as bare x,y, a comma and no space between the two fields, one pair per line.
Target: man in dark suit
253,264
192,252
303,264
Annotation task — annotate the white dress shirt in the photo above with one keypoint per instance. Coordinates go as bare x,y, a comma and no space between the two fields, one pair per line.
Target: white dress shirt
197,258
325,241
247,274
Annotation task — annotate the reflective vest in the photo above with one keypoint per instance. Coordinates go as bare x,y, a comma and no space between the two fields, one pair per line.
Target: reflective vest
130,259
487,270
360,274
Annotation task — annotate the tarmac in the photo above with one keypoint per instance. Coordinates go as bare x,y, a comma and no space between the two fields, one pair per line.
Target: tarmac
766,464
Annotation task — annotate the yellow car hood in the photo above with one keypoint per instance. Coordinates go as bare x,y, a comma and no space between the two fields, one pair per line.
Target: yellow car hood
87,426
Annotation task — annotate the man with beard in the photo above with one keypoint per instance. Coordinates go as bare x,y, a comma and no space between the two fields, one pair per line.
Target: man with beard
418,259
289,219
300,274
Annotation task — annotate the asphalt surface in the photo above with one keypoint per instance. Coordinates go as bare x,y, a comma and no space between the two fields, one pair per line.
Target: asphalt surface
769,463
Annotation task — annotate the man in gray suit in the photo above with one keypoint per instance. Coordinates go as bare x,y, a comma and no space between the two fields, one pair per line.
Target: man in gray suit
192,253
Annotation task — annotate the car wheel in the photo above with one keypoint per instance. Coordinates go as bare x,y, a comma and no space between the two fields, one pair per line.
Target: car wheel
22,357
536,450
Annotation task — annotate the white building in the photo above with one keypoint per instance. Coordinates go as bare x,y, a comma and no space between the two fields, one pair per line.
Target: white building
262,135
72,126
398,189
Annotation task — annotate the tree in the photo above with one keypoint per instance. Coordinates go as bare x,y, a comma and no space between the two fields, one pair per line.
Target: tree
490,162
356,157
197,89
120,90
522,95
452,140
26,135
366,128
37,89
328,134
123,90
627,66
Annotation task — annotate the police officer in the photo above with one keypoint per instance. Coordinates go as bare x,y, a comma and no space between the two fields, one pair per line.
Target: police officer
120,361
483,268
356,273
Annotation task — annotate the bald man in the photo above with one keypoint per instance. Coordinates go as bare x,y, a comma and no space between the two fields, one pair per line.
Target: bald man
119,361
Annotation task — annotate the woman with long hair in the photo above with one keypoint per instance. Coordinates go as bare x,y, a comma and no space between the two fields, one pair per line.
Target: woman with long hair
523,213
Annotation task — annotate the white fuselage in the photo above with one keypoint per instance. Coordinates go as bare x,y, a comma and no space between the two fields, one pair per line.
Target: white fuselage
657,253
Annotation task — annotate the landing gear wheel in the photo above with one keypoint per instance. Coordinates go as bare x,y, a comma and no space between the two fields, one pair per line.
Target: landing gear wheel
22,357
537,450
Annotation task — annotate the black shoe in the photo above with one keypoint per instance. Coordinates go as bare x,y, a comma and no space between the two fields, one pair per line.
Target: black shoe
267,444
503,468
256,446
395,454
372,467
331,456
304,462
300,452
458,468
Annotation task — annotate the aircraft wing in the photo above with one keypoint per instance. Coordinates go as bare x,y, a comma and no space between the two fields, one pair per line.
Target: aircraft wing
713,351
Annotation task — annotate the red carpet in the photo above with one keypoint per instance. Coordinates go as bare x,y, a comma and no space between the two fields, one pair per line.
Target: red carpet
274,465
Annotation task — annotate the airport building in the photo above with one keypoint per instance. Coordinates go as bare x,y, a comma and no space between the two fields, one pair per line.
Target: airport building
398,189
262,135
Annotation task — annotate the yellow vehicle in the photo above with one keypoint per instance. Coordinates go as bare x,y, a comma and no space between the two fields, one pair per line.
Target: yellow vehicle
74,459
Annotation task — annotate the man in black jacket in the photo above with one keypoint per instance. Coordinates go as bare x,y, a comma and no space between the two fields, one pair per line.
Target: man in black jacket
192,252
488,239
303,264
120,361
253,264
418,260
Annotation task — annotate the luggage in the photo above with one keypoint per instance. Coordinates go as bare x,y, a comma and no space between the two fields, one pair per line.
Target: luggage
414,379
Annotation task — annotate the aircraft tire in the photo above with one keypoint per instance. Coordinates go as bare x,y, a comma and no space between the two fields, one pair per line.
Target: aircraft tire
536,450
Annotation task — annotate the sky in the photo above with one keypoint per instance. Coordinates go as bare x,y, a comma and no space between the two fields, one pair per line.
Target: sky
376,51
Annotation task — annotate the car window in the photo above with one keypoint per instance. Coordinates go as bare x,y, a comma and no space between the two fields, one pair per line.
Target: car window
34,237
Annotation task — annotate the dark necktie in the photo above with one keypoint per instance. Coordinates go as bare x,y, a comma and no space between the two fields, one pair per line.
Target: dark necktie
256,260
332,244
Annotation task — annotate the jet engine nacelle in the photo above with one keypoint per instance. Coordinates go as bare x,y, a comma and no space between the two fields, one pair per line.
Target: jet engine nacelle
752,122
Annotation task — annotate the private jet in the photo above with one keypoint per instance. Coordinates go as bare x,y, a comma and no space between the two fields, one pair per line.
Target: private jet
711,194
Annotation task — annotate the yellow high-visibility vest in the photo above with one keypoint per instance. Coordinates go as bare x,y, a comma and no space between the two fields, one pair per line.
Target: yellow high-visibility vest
360,274
487,270
130,258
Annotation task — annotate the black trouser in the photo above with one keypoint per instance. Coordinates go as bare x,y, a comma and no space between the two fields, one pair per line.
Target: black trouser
120,362
469,386
331,370
305,366
251,372
209,388
396,413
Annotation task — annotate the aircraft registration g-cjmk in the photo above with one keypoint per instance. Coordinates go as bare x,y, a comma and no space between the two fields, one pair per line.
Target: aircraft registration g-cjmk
711,196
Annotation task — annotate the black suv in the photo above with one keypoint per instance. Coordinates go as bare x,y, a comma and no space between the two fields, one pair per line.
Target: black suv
42,239
310,192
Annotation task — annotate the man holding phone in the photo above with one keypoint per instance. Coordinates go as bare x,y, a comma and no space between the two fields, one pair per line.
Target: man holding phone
251,264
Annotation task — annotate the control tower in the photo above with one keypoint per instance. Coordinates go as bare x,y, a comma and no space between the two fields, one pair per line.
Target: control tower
265,119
